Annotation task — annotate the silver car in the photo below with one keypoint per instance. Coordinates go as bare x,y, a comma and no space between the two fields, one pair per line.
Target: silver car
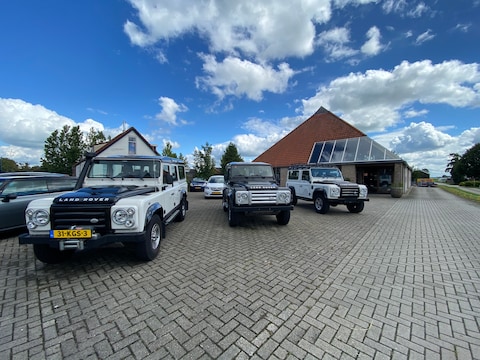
16,191
214,186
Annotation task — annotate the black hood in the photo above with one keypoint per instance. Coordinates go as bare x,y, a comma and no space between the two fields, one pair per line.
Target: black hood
101,195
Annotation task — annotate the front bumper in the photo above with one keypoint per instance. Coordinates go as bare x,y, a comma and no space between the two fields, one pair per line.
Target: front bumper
213,193
345,200
81,244
273,209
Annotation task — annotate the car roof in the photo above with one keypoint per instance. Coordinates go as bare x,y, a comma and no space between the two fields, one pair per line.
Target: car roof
247,163
22,174
18,177
166,159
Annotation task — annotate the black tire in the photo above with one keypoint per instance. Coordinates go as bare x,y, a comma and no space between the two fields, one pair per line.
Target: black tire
225,202
183,211
320,203
49,255
283,217
149,248
232,216
294,196
356,207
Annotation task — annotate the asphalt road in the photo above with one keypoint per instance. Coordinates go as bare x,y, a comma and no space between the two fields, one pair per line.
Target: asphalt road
401,280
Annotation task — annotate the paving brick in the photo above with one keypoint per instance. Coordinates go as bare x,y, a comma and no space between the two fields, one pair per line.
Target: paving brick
398,281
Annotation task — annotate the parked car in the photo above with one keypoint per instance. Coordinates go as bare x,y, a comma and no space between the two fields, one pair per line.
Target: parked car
197,184
16,191
214,186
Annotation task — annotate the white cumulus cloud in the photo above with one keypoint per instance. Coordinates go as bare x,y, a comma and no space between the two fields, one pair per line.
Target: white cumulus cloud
373,100
239,78
264,30
169,111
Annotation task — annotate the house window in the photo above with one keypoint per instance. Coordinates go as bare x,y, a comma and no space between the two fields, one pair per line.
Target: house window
132,145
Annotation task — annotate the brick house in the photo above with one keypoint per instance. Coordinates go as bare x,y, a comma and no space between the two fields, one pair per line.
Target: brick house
327,139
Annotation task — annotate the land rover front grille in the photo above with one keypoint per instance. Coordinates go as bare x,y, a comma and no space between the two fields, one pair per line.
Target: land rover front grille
263,197
93,216
349,191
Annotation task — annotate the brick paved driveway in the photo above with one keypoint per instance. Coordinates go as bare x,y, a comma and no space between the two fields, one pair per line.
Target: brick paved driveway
400,280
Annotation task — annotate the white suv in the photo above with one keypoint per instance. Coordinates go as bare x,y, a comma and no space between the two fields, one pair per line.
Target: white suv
326,187
126,199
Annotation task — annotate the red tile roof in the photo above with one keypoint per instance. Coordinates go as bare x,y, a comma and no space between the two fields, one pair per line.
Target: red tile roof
295,147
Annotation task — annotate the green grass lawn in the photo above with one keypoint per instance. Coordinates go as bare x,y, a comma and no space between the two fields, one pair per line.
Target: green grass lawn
461,193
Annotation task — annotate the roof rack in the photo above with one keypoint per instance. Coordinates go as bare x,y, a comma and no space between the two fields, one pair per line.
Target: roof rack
310,165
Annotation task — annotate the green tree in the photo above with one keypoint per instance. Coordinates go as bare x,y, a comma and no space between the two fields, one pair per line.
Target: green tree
167,150
230,154
471,162
203,162
95,137
454,157
455,168
8,165
63,149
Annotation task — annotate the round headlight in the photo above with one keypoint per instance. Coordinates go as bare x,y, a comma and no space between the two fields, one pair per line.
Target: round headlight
283,197
130,211
120,216
335,191
40,217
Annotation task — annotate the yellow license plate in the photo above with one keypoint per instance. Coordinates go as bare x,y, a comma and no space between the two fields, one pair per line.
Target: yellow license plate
71,234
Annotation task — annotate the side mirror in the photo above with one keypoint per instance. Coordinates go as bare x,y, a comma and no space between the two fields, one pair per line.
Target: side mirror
9,197
168,179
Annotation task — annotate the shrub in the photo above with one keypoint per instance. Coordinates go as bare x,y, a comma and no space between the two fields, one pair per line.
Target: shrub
470,183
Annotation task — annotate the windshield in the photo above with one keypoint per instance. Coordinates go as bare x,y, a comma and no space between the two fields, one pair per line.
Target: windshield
216,179
264,171
326,173
124,169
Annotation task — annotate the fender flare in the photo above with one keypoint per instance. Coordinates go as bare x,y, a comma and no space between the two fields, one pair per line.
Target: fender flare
153,209
321,191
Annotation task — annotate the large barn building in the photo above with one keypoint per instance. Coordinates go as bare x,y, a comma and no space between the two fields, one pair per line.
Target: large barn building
325,138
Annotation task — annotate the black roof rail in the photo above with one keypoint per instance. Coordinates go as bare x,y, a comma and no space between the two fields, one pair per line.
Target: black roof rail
309,165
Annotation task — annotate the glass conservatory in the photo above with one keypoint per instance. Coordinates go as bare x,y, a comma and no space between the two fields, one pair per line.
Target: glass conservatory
358,150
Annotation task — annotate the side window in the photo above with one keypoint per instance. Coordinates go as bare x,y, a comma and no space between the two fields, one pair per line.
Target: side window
61,184
167,174
173,172
293,175
27,187
305,175
181,172
10,188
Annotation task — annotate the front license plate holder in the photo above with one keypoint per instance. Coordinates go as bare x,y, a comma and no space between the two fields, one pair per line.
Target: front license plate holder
71,234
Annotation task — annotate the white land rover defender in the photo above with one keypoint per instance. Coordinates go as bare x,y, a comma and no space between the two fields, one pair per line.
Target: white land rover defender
326,187
251,188
126,199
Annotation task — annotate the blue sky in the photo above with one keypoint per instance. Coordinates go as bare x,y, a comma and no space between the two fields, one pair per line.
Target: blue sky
406,73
